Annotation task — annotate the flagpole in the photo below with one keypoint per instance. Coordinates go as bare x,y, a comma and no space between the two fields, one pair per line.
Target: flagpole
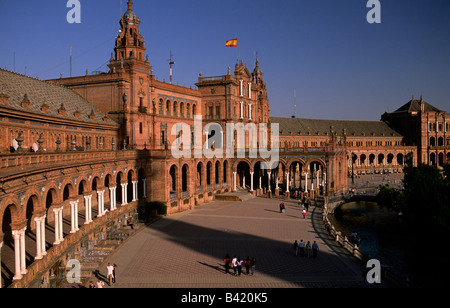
239,49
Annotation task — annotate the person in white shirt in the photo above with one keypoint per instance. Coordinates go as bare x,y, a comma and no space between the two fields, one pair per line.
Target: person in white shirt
234,265
110,274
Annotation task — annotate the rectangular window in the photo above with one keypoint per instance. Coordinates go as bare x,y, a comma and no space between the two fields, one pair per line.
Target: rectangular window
217,112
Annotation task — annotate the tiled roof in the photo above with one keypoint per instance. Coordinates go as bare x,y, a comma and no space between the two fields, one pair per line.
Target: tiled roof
301,127
415,105
38,92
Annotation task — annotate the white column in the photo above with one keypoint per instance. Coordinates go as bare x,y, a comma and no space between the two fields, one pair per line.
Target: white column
251,181
287,181
43,252
38,238
234,183
134,190
115,197
250,111
61,229
23,265
260,186
112,198
124,194
268,181
56,242
73,214
306,182
101,202
276,183
76,215
16,236
90,208
242,110
87,209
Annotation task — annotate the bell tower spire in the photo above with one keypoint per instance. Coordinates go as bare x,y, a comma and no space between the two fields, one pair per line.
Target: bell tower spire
130,44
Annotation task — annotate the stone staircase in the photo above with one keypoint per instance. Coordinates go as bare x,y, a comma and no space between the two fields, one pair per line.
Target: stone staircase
240,194
92,259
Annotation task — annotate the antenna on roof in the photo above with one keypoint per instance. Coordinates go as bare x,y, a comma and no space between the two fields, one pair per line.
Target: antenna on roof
70,48
171,63
294,113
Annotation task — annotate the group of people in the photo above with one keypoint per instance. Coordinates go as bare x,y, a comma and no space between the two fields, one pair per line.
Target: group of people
302,203
236,264
306,249
110,276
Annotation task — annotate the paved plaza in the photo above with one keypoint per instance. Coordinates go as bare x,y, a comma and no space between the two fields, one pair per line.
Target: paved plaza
186,250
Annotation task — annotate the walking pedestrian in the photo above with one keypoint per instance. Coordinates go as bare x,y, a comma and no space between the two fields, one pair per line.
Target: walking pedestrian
234,265
227,261
308,249
252,266
247,265
301,247
100,284
110,275
315,248
91,285
114,273
239,266
304,214
295,246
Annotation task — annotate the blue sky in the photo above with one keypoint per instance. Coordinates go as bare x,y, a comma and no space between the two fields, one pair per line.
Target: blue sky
338,65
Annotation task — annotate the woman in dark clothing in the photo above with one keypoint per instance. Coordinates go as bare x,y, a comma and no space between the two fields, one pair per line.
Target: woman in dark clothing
227,261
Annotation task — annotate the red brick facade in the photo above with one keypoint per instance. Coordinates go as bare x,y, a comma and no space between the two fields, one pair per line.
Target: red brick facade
108,142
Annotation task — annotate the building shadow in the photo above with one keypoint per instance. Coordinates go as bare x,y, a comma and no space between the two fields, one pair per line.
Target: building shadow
274,257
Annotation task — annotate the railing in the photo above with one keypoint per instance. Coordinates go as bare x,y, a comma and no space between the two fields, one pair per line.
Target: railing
353,249
343,240
12,163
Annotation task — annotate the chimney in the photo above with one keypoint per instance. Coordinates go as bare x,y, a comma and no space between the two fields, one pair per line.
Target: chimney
3,98
62,110
92,115
45,107
25,102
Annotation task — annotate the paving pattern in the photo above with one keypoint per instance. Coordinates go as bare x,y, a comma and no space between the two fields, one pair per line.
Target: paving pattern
186,250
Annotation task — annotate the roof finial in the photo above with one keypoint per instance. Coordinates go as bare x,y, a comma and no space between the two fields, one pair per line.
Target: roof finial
130,5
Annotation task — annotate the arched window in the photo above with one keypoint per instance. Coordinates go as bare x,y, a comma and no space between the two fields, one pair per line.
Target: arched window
188,110
161,103
175,109
168,107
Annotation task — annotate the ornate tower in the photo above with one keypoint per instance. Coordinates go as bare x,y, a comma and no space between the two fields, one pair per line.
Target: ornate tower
130,44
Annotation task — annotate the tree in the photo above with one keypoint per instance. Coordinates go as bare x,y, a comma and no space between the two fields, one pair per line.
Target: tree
392,199
426,196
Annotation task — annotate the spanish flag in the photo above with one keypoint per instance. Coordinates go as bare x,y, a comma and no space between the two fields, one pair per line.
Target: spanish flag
232,43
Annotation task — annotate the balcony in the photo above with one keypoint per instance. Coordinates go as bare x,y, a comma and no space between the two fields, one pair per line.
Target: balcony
11,164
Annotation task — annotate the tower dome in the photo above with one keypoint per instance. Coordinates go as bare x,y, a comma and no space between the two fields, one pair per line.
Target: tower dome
130,14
